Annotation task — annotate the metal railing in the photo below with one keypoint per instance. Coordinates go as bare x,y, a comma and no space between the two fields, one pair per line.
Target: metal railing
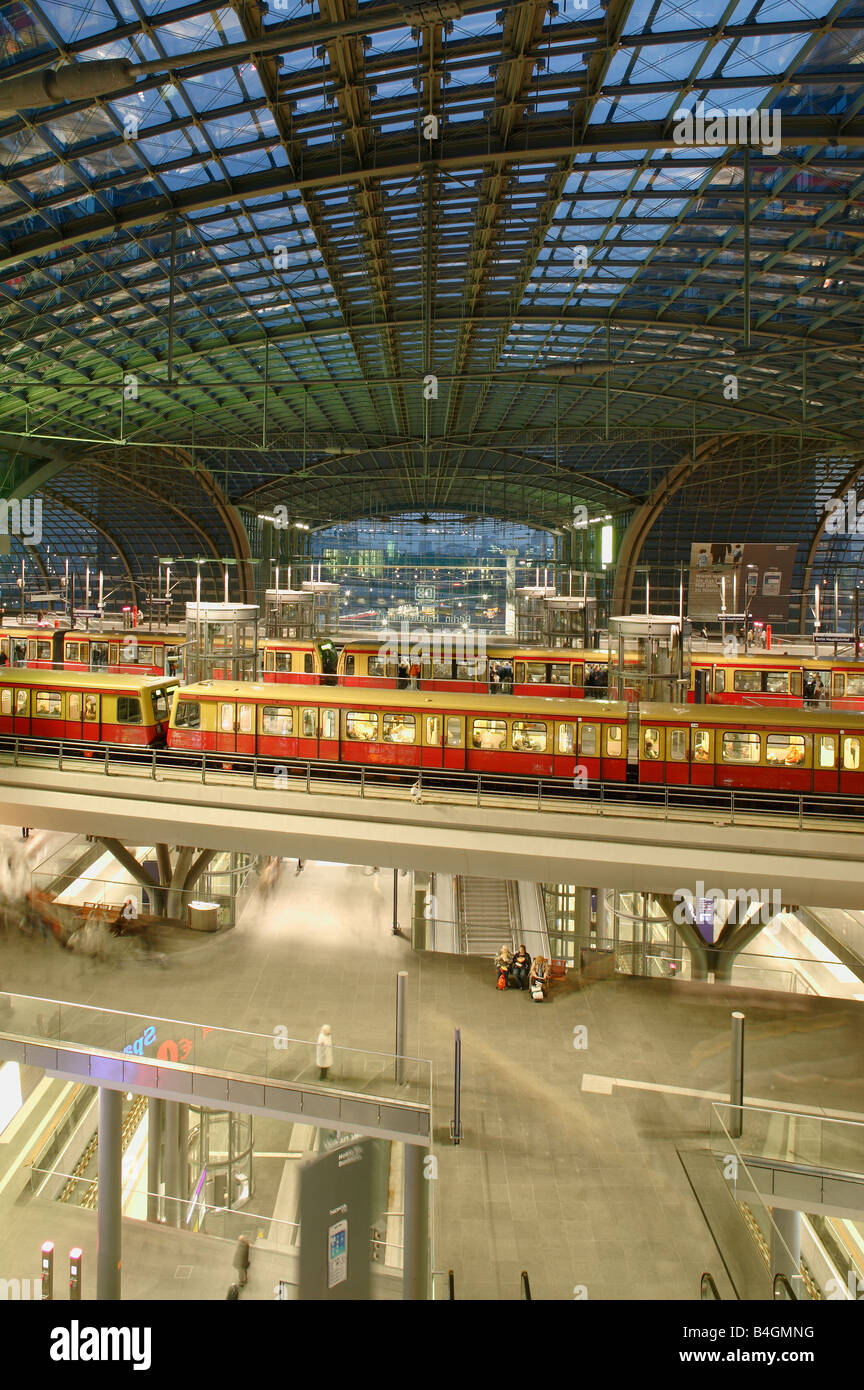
792,810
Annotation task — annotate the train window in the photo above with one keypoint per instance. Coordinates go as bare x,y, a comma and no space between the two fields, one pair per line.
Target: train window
399,728
854,685
43,651
470,670
529,737
145,656
441,670
787,750
98,654
91,707
747,681
489,734
454,731
588,740
651,744
837,683
376,667
308,663
20,702
277,719
702,746
188,715
559,673
614,741
283,661
535,672
6,701
73,652
309,723
741,747
49,703
226,718
433,730
851,754
776,682
349,665
719,680
826,747
677,745
577,672
31,649
565,738
247,722
128,709
361,727
268,659
161,706
73,706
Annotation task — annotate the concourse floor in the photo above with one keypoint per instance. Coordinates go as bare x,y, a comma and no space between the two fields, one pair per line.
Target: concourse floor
560,1172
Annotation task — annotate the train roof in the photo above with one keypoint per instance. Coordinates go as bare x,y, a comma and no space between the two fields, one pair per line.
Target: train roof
359,697
747,715
81,680
149,634
763,660
493,647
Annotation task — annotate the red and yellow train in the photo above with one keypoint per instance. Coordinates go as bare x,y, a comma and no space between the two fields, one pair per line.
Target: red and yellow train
85,707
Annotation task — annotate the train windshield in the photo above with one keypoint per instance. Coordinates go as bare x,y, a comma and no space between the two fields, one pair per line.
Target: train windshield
161,704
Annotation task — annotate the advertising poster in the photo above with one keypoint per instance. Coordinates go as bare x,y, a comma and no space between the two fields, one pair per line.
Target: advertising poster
760,574
335,1219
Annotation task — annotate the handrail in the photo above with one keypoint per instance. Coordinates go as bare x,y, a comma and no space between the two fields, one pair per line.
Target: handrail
526,1287
708,1290
451,1285
782,1289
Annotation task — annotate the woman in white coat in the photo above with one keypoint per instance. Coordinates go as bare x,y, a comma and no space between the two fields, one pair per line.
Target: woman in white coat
324,1052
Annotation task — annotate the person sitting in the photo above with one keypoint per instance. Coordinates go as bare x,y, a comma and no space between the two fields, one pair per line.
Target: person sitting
521,967
503,962
126,917
539,974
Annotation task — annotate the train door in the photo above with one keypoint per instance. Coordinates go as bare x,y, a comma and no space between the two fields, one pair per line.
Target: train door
826,747
21,722
701,756
432,752
851,773
454,742
328,735
701,684
235,727
307,746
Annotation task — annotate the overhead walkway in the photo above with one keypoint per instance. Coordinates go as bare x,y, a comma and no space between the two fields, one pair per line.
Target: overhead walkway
483,831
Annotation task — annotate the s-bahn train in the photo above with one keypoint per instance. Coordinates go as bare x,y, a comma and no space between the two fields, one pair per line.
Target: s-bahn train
136,651
516,736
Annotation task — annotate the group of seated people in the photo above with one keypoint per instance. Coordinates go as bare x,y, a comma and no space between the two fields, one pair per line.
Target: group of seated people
519,971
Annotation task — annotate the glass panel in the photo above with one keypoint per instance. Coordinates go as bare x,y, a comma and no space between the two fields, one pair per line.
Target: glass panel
588,740
43,650
441,670
161,704
852,754
283,660
246,721
20,702
91,709
49,702
651,744
128,710
308,663
226,719
740,747
277,719
309,725
329,723
73,706
454,731
98,654
473,670
399,728
614,741
6,701
749,681
559,673
785,749
677,745
777,682
349,665
489,734
826,750
854,685
577,671
529,737
268,659
702,746
719,680
565,738
433,730
535,672
145,656
361,727
376,667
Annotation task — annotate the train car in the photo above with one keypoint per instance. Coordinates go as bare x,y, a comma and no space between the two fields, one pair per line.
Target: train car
769,749
568,673
787,682
134,651
294,662
40,648
405,728
87,707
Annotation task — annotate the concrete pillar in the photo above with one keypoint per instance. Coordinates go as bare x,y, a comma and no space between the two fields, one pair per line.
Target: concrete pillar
155,1120
110,1194
603,924
182,1144
582,913
171,1171
415,1226
786,1246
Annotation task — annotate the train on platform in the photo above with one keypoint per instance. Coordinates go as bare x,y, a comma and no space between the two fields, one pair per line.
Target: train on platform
85,707
130,651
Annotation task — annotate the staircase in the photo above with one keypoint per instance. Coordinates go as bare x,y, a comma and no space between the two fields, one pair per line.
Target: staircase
488,915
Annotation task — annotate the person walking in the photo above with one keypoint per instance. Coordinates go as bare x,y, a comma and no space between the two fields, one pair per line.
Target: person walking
324,1052
242,1255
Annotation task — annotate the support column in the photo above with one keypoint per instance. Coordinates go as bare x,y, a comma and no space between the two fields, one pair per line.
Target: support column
172,1163
110,1194
602,919
155,1121
415,1226
582,913
182,1144
786,1246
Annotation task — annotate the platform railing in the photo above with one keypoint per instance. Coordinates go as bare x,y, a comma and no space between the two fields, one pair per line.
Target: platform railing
792,810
